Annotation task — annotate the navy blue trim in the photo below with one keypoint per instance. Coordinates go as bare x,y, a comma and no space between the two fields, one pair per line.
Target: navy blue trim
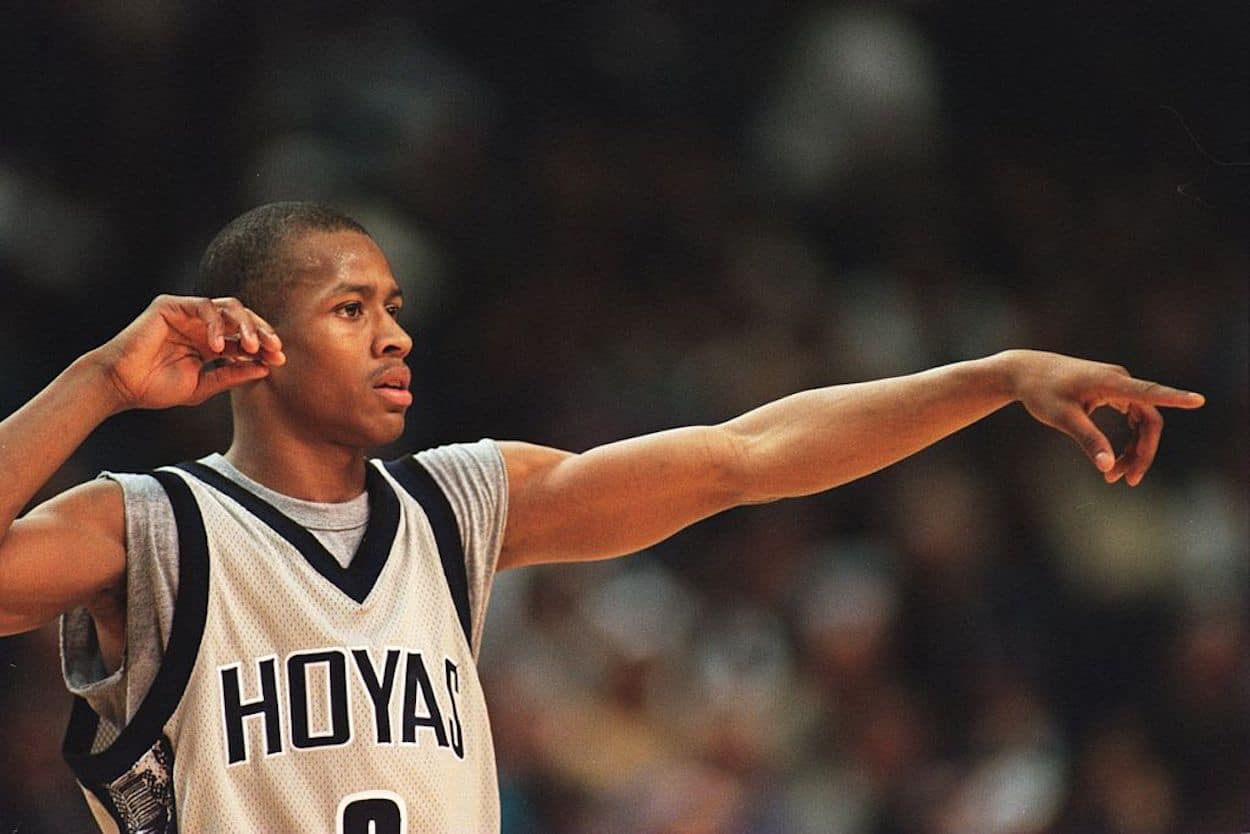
190,610
420,484
361,574
106,800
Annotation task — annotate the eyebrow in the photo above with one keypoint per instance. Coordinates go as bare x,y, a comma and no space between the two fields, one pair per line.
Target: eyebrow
366,290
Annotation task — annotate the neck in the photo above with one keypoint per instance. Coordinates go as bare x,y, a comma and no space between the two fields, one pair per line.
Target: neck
306,468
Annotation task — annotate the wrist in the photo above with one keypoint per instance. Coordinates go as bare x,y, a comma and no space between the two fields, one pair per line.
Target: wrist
1005,372
93,373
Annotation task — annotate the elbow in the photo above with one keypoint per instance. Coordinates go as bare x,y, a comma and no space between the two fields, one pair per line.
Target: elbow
12,624
740,476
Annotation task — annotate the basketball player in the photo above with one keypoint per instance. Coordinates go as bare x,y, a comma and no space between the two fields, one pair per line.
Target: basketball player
283,637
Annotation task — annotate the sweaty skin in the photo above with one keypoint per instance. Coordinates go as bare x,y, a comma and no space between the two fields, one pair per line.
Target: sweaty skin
309,404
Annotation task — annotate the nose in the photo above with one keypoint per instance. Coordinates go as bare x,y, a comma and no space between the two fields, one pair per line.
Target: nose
392,339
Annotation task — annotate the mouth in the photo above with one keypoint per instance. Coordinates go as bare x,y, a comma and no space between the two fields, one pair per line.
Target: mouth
396,396
392,386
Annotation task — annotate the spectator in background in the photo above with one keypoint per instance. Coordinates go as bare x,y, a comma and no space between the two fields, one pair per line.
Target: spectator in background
619,202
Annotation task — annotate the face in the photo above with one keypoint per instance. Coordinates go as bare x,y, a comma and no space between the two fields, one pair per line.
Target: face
345,380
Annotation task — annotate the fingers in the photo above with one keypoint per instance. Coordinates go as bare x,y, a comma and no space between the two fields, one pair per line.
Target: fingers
214,327
1062,392
1139,454
252,333
245,326
270,356
229,328
1075,423
1155,394
1149,431
232,310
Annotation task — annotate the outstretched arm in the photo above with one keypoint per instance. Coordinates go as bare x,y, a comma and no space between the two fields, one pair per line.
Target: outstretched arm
622,497
71,548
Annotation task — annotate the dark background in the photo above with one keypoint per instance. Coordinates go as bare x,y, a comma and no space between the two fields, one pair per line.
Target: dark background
615,217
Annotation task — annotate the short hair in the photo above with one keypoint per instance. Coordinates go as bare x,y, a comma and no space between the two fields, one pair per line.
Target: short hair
246,259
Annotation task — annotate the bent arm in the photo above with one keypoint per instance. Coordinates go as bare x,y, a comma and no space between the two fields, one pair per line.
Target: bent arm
622,497
71,548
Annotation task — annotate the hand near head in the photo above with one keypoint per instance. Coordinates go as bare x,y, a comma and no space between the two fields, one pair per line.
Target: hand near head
182,350
1062,392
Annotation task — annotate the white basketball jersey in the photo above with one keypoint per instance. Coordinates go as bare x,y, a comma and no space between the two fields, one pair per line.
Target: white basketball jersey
296,695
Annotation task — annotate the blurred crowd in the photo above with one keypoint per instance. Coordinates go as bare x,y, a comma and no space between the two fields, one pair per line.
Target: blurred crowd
616,217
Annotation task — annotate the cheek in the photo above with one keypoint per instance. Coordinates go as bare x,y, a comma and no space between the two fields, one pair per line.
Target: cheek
317,379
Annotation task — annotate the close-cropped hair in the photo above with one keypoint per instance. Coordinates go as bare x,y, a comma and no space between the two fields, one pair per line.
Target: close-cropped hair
247,258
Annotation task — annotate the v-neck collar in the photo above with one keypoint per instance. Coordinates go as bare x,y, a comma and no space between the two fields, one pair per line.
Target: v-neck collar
361,574
315,516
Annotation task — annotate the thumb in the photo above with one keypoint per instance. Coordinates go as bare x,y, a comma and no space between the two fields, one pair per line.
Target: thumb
1077,425
215,379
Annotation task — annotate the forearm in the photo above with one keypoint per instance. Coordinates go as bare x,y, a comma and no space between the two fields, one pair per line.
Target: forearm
816,440
37,439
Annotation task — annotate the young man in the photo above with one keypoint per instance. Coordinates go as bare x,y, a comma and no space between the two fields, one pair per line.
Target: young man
282,638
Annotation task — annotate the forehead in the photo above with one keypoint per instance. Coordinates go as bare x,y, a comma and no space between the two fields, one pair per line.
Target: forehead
317,262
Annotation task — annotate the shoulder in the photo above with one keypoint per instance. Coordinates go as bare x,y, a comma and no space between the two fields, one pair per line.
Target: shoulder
525,462
475,467
473,478
99,504
482,454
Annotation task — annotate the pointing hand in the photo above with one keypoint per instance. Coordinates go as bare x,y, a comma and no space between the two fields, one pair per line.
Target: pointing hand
1062,392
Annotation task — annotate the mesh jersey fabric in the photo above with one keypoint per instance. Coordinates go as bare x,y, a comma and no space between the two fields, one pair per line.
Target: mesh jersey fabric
471,477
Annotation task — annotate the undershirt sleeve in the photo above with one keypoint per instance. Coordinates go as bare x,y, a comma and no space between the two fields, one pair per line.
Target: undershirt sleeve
151,587
473,477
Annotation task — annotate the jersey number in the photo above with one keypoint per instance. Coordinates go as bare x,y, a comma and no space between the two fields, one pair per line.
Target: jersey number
372,812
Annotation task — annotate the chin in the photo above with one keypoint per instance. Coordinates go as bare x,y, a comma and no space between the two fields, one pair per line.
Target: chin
382,435
370,435
362,429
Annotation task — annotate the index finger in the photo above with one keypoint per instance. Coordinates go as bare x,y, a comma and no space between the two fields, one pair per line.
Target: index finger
266,332
1155,393
214,333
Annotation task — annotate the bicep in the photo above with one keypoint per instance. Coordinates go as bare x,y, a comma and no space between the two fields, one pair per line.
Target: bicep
614,499
63,553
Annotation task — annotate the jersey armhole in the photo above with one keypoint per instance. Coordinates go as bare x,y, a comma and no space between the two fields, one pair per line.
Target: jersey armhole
145,730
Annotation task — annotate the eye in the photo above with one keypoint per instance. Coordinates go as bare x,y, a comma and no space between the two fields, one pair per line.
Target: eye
352,309
393,309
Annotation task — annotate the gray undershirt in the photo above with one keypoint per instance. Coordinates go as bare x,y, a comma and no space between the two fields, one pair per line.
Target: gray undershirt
472,475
